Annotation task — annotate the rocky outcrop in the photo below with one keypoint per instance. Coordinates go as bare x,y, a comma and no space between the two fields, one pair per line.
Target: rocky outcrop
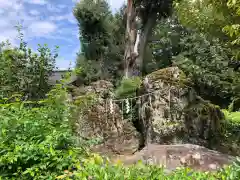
173,113
95,119
180,155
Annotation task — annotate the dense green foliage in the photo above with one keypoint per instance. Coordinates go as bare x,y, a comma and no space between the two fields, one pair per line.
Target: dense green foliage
36,141
205,61
128,87
38,123
203,58
102,42
233,117
201,48
24,71
218,18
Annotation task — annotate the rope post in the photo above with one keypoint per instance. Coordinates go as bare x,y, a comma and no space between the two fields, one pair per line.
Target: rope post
112,108
169,99
140,110
131,110
106,110
127,106
122,109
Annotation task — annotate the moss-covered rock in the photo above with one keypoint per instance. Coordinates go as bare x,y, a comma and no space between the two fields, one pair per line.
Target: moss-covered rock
171,76
173,113
98,121
203,121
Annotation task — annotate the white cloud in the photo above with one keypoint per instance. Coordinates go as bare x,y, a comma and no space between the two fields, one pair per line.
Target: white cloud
34,12
75,1
9,35
64,64
41,28
11,11
57,37
37,2
11,4
61,6
6,4
4,23
114,4
44,21
1,11
69,17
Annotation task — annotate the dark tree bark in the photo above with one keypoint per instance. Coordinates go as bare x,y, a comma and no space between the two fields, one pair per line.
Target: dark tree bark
144,38
129,56
136,40
142,16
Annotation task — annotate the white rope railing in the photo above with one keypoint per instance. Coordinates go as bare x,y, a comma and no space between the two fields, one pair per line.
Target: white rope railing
132,98
128,103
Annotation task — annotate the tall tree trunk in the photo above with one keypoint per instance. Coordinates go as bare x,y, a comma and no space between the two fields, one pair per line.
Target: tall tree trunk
129,57
136,41
145,34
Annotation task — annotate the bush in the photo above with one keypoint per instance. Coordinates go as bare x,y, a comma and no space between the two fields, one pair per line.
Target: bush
232,117
128,87
231,132
232,124
36,140
24,71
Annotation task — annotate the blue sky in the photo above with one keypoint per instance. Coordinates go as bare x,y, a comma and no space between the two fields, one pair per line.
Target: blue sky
45,21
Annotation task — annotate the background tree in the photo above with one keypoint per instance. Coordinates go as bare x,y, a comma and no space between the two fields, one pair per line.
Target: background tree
217,19
142,16
101,37
203,58
23,71
164,39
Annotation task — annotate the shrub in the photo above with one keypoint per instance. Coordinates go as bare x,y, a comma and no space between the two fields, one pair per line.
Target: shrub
232,117
232,123
231,138
128,87
24,71
36,140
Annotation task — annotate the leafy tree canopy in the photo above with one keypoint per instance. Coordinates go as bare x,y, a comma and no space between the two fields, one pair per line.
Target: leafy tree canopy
24,71
102,40
219,18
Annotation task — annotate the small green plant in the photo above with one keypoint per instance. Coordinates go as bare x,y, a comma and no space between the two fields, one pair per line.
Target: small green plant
128,87
233,117
231,133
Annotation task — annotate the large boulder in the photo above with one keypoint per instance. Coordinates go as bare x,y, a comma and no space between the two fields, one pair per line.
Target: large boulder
171,111
95,119
180,155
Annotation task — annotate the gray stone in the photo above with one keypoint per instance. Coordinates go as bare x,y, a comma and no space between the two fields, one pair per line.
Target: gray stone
173,113
181,155
97,121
